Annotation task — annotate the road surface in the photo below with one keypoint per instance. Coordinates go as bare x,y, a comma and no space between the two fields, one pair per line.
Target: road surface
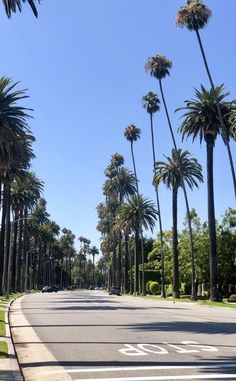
77,335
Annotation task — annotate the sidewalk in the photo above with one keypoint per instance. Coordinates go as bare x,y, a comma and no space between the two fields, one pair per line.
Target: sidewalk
9,368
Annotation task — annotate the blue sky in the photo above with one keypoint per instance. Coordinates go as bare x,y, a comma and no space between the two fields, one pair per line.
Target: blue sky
83,63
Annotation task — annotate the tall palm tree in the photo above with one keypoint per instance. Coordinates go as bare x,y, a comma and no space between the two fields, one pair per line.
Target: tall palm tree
169,173
15,152
137,211
151,104
132,134
195,15
94,251
159,67
14,5
201,119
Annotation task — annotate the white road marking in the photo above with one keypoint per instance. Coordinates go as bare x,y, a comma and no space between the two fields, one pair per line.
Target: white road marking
134,368
167,378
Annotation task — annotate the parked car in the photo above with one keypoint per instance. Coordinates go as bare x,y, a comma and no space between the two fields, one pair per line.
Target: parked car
49,289
114,291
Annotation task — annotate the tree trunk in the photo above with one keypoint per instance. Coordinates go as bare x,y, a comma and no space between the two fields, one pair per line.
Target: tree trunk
7,239
214,288
140,229
175,245
194,296
163,291
2,237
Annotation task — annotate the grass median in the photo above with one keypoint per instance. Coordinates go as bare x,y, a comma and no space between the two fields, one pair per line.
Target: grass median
187,299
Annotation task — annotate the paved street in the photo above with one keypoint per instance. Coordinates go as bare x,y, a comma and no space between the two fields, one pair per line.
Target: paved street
91,335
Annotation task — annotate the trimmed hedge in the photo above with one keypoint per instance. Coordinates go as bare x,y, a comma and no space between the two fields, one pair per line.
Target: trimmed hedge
154,288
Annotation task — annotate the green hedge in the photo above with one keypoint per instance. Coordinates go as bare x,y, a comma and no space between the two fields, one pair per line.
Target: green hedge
154,288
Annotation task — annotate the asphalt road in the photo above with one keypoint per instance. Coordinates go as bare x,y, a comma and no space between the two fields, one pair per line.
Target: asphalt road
91,335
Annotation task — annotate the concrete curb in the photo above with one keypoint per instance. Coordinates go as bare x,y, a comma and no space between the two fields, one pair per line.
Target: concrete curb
10,367
18,374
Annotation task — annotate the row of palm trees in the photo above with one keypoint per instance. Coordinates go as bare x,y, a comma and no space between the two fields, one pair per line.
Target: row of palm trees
34,251
207,116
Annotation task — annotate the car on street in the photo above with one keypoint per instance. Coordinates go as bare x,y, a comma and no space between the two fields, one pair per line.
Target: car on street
49,289
114,290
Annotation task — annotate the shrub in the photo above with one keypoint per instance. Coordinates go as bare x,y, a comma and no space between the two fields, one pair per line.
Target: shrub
148,286
169,290
232,299
154,288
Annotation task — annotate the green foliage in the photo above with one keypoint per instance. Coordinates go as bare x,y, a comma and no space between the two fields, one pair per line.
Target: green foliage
3,350
154,288
169,290
2,323
148,286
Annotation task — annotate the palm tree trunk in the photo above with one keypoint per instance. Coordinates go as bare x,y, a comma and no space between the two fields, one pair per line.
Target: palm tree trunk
141,232
2,237
193,276
223,127
126,264
19,253
163,291
214,290
93,271
136,263
175,245
14,257
7,240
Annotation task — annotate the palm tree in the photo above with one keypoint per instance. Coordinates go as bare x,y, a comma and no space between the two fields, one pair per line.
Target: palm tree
94,251
195,15
14,5
132,134
201,119
169,174
151,104
137,211
25,192
159,67
15,153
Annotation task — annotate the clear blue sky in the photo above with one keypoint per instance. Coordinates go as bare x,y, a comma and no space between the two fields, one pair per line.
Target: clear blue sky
83,63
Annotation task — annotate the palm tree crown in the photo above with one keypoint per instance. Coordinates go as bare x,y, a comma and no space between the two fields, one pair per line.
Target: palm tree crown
202,118
194,15
158,66
14,5
169,173
151,102
132,133
138,210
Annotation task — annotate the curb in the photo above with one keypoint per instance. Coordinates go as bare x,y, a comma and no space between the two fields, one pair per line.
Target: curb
17,373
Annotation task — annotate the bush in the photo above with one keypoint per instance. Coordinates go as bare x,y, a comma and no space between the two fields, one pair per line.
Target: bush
169,290
154,288
232,299
148,286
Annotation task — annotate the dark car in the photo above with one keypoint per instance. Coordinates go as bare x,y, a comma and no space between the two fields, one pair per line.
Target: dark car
114,291
49,289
